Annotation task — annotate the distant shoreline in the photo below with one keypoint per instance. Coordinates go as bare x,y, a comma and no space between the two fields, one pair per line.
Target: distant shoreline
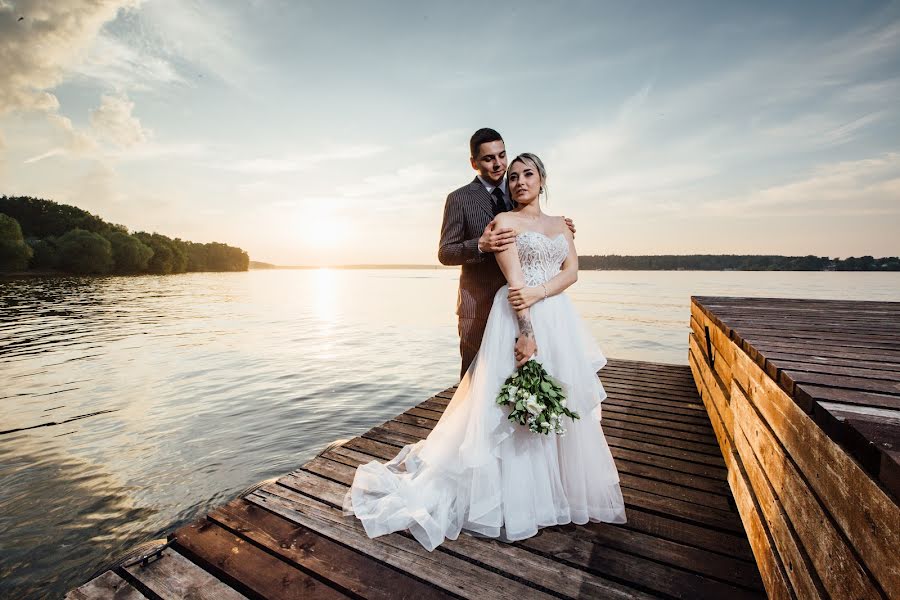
652,263
262,266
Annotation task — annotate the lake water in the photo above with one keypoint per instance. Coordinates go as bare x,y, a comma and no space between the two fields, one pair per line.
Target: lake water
207,383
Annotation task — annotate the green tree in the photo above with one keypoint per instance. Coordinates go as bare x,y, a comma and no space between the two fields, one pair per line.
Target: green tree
130,254
14,252
85,252
163,260
40,218
46,253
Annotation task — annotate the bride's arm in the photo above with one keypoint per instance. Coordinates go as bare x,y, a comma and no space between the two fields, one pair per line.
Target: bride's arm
508,260
523,297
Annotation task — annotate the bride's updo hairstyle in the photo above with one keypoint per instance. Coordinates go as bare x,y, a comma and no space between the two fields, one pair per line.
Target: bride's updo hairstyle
528,157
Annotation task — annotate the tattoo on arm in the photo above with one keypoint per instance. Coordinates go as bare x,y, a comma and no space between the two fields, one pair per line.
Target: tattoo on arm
525,325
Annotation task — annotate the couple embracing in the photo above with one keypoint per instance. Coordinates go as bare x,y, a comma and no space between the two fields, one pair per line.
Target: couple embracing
478,471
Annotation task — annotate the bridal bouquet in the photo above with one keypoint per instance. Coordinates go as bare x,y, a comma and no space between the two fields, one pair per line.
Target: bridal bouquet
537,400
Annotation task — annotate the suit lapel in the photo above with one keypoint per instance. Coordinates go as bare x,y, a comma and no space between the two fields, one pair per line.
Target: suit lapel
482,198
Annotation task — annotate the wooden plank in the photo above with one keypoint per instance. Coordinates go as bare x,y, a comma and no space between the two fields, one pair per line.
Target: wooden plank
712,383
719,362
869,434
415,420
565,545
718,338
438,568
108,585
642,411
411,430
771,569
714,396
693,433
623,564
627,384
378,450
675,382
434,415
806,394
390,437
352,571
669,527
685,483
316,486
831,364
636,394
677,554
701,515
242,564
662,406
715,475
773,342
652,447
864,513
173,577
678,379
809,546
623,428
797,364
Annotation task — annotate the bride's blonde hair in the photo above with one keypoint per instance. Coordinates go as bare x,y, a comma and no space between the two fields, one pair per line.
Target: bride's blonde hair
537,164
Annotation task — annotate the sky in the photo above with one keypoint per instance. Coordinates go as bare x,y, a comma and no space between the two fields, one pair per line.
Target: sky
331,132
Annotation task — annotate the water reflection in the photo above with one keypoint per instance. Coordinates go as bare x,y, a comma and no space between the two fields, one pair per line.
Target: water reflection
215,381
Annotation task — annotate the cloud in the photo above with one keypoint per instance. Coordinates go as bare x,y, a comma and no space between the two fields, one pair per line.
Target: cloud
113,122
135,65
37,51
869,186
207,35
291,163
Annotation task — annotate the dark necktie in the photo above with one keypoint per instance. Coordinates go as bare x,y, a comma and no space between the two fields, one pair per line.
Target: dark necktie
499,203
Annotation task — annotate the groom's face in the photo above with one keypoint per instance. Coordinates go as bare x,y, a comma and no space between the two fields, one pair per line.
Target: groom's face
491,161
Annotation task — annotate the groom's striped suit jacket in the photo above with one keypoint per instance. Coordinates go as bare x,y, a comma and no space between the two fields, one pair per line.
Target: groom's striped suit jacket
467,212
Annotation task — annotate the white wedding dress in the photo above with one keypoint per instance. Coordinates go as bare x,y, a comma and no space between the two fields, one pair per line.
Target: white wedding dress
479,472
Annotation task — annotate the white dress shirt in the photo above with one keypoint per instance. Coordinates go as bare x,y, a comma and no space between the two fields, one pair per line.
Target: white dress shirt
490,188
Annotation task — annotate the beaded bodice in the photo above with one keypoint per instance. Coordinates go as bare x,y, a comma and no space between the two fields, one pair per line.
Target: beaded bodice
541,256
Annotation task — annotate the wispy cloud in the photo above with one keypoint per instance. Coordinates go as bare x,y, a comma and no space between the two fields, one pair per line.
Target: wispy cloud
127,64
293,162
869,186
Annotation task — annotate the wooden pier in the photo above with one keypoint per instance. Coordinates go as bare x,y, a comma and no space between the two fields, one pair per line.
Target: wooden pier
804,397
768,466
288,539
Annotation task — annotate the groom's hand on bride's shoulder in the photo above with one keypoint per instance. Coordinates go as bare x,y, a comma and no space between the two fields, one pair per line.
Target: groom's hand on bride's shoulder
495,239
570,224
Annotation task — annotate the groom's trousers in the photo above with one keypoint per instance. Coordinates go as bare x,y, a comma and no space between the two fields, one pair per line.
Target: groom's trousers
471,330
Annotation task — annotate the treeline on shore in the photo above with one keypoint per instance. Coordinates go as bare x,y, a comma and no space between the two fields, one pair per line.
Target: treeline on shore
43,235
737,262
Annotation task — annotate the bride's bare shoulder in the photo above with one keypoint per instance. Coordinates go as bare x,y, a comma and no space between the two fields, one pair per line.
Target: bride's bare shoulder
506,220
557,224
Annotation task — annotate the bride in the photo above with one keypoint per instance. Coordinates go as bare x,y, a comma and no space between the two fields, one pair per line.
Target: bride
477,471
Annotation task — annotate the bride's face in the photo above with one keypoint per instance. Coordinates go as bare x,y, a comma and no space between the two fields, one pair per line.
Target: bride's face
524,182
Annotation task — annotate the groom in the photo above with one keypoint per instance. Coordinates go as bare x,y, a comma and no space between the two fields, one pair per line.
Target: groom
469,238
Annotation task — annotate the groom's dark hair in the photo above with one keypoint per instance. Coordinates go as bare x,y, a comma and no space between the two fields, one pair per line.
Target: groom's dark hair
482,136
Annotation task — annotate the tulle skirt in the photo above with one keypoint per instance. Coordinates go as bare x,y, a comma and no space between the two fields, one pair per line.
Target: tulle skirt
477,471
